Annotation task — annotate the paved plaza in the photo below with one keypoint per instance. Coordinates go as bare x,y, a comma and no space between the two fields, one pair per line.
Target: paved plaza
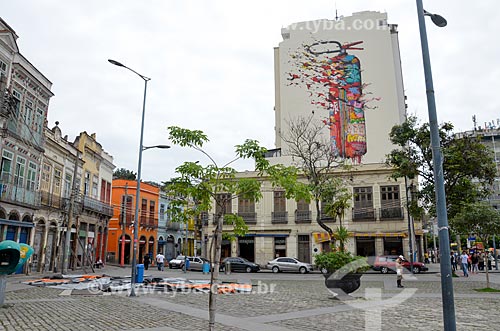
277,302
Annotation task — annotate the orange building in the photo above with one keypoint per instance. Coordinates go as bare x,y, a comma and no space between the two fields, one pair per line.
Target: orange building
121,225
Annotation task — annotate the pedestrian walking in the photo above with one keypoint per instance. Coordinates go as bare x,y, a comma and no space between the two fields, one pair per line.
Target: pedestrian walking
399,270
160,259
464,260
147,261
475,263
453,262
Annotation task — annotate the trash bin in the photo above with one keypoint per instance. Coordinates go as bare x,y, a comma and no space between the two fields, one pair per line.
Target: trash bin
139,275
187,264
206,267
227,268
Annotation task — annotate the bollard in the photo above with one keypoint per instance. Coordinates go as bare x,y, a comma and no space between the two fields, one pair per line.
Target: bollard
206,268
228,268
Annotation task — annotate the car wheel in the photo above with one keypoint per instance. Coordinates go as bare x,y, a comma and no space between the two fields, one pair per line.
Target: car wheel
302,270
170,266
416,270
248,269
276,269
384,270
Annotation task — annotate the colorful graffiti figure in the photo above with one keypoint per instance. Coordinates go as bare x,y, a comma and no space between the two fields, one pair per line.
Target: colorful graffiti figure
335,85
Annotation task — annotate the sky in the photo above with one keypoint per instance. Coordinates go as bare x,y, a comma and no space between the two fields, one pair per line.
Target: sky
211,67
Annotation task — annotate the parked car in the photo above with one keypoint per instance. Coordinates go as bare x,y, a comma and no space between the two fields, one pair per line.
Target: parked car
178,262
387,263
196,263
239,264
281,264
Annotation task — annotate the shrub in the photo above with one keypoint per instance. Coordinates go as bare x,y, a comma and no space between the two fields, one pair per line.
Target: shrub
341,262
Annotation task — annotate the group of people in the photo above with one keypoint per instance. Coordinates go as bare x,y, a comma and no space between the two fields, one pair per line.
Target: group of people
160,261
472,262
431,256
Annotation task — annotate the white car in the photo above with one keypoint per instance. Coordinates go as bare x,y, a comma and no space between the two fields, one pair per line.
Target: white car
281,264
178,262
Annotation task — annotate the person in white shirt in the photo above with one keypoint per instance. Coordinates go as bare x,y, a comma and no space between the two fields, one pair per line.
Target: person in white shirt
160,259
464,258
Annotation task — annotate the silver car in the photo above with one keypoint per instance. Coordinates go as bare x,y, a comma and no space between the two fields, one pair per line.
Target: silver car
281,264
196,263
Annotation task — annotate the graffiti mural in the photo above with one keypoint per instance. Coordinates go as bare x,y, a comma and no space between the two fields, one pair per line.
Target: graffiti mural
332,77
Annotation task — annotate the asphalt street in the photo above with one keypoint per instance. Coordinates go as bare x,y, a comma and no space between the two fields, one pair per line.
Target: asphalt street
277,302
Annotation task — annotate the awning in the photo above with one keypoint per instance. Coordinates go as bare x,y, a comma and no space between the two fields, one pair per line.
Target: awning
267,235
320,237
16,223
380,234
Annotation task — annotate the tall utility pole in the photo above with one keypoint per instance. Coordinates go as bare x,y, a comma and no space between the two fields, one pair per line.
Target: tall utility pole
67,245
124,225
410,227
448,303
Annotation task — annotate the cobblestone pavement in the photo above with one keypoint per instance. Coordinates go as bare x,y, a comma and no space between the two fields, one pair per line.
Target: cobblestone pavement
277,302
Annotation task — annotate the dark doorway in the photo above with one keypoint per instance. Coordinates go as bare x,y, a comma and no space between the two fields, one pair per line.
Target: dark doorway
225,249
247,248
126,256
304,248
170,248
365,246
393,246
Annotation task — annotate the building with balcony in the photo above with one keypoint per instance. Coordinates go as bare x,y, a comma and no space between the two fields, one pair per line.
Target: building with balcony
121,226
489,136
24,100
344,74
92,201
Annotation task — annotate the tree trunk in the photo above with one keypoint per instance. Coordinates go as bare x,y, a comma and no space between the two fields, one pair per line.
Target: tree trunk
214,276
323,225
486,267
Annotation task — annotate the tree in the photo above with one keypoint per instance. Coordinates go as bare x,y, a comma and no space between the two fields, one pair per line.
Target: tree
479,219
198,186
123,173
311,149
468,165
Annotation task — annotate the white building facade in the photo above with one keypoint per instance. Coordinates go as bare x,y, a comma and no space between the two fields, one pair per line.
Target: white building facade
347,75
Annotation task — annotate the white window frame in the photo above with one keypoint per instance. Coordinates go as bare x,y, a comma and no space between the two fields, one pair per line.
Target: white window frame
95,186
6,156
31,177
20,171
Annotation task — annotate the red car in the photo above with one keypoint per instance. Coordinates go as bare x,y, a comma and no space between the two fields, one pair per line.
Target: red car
387,263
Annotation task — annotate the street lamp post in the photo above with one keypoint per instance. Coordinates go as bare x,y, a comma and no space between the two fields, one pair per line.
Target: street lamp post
443,230
138,189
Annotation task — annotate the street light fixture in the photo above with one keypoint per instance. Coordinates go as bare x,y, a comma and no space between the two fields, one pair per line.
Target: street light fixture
138,189
155,146
443,230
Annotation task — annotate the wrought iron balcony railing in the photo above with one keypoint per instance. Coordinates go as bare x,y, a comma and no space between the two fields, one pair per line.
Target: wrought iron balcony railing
303,216
363,214
391,213
96,206
14,193
249,217
279,217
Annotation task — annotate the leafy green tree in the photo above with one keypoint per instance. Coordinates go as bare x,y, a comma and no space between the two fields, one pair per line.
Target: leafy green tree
479,219
468,165
123,173
197,187
336,198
